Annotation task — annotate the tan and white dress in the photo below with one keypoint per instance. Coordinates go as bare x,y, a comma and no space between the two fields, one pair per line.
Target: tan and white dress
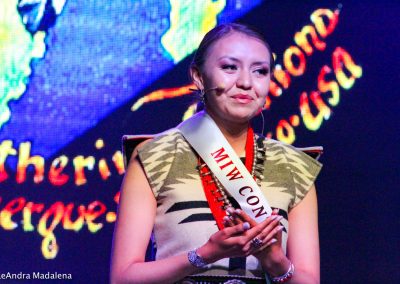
184,220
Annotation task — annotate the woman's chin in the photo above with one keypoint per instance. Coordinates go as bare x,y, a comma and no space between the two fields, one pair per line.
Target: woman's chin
244,114
236,115
241,118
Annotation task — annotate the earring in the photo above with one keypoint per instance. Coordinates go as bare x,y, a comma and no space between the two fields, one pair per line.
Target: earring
202,96
263,123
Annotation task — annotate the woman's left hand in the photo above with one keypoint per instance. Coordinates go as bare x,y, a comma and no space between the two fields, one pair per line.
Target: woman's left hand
267,245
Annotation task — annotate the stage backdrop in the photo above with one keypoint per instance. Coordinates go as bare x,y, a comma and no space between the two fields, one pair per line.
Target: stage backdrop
76,75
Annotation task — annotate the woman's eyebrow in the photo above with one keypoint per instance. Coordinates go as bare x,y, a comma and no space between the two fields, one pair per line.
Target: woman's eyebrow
260,63
238,60
229,57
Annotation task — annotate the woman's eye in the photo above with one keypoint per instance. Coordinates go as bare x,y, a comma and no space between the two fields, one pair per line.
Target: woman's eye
229,67
262,71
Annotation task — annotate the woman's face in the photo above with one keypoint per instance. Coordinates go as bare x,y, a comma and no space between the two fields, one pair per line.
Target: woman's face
240,66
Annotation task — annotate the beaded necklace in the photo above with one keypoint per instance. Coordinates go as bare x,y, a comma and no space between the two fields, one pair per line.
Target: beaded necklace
215,193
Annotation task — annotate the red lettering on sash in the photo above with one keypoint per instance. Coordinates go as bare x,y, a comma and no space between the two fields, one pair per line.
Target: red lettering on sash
227,164
234,174
220,155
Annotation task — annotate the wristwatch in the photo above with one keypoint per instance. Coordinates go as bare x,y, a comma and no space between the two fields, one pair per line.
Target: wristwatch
195,259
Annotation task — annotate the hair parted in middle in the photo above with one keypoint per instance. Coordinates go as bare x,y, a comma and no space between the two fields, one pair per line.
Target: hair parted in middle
222,31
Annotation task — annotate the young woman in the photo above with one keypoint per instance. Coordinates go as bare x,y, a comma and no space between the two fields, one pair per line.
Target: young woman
192,200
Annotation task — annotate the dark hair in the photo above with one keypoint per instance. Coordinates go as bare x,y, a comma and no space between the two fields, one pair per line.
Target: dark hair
221,31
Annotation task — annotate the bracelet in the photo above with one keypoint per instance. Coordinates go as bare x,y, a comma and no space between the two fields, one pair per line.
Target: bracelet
285,277
195,259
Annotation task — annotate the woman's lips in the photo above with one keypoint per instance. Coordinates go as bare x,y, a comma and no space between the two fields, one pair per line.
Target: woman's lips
242,98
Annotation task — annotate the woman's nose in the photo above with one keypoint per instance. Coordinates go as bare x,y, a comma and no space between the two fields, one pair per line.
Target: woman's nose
244,80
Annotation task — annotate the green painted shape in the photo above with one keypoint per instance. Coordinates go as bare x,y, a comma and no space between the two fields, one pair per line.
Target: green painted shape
17,49
189,22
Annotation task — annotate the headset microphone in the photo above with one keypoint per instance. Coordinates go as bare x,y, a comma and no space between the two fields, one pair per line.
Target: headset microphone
219,88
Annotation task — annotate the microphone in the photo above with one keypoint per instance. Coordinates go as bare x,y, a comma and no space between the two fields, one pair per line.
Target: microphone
219,88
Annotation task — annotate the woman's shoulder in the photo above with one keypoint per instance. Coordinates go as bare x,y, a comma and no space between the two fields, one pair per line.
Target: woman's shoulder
272,143
303,169
276,147
167,143
311,154
158,154
166,138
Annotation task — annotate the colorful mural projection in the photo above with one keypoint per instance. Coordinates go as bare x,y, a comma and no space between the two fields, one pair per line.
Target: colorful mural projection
64,66
125,46
62,172
21,43
196,17
313,110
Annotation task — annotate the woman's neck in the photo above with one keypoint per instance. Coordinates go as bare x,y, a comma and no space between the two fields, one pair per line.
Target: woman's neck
235,133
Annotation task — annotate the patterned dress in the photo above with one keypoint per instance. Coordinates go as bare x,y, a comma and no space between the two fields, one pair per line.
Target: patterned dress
184,220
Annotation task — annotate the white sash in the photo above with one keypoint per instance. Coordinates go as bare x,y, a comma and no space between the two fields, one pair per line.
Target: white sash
205,137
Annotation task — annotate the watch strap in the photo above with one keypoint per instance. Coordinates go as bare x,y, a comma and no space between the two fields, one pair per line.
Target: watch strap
195,259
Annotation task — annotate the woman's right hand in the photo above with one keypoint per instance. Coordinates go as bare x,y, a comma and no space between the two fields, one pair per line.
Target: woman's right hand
232,241
228,242
270,252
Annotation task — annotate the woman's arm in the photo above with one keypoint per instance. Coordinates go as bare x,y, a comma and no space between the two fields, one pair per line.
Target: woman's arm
136,214
303,240
302,246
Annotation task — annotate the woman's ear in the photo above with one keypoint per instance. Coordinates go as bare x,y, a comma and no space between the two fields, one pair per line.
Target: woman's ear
196,77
